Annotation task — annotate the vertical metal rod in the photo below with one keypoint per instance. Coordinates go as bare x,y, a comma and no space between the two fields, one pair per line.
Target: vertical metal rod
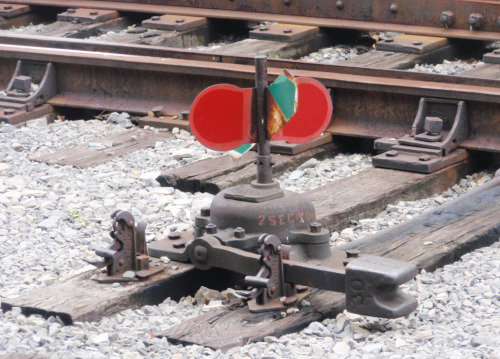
264,171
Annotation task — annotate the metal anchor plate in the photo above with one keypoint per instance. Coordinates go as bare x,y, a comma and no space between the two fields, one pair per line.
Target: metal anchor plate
439,128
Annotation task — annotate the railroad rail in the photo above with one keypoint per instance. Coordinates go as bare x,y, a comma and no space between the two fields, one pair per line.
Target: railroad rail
139,83
468,19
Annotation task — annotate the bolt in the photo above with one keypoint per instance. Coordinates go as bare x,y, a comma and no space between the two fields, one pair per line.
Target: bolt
205,212
424,158
201,254
179,21
239,232
9,111
179,245
357,285
273,290
394,8
290,300
287,2
392,153
389,39
278,249
157,111
301,288
185,115
93,13
71,11
174,235
417,42
352,253
263,28
496,52
340,4
211,228
475,21
7,7
287,31
315,227
155,18
447,18
433,126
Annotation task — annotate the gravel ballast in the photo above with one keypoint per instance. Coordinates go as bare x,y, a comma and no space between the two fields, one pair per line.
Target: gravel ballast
52,216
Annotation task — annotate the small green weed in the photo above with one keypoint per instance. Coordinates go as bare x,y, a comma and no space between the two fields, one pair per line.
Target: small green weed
77,217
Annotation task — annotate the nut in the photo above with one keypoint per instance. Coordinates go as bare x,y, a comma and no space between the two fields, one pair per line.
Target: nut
211,228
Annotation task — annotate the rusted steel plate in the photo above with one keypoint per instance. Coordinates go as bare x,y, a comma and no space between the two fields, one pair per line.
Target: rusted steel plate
9,10
91,16
174,23
412,44
421,17
283,32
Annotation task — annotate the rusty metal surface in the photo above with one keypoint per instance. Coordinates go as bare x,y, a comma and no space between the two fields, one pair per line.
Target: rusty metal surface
140,83
174,23
283,32
411,44
422,17
31,85
126,253
440,126
90,16
381,277
9,10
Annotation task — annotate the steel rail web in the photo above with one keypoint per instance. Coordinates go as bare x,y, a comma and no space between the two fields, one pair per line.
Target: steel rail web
421,17
366,105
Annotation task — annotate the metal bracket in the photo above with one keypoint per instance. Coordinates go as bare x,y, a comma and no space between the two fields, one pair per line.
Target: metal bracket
270,292
90,16
278,276
126,253
32,85
174,22
283,32
439,128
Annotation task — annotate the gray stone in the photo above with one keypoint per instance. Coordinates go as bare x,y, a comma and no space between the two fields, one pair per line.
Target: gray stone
7,128
129,274
49,223
37,122
372,348
310,163
120,119
295,175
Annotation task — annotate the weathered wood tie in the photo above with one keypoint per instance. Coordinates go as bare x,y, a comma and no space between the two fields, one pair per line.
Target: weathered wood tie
124,142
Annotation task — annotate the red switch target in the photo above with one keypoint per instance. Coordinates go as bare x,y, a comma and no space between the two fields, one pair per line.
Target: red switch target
313,115
220,117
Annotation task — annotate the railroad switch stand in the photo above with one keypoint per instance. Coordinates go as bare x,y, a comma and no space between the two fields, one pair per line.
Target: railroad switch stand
271,235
